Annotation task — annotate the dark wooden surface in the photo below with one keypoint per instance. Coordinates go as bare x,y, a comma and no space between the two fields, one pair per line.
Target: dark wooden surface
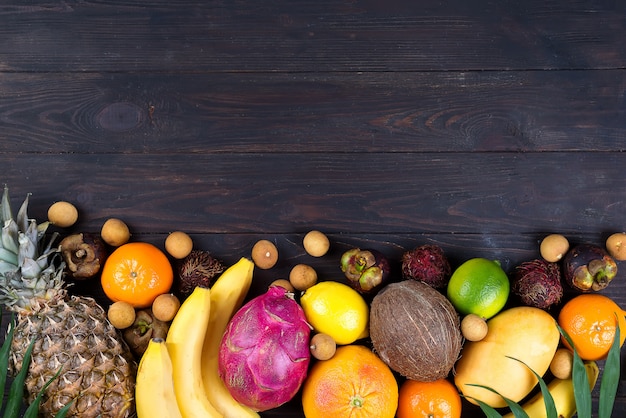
477,125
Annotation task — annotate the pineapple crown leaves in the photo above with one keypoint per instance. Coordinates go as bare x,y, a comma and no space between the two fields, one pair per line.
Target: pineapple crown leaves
30,267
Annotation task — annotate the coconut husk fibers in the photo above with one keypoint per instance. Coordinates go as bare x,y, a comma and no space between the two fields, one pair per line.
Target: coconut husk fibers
415,330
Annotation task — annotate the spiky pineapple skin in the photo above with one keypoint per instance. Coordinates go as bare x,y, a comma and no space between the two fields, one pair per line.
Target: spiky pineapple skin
98,371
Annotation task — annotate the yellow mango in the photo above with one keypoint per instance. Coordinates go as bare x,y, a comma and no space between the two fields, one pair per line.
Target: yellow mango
524,333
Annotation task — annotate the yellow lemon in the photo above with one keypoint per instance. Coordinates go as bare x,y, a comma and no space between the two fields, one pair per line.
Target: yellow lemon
338,310
479,286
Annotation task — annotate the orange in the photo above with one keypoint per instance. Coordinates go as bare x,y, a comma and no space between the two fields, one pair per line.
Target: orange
479,286
354,383
438,399
590,320
136,273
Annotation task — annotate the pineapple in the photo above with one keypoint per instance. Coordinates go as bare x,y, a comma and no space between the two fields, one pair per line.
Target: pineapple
98,373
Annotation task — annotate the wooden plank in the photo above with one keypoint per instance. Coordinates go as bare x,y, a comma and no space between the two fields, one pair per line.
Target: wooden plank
491,193
296,36
335,113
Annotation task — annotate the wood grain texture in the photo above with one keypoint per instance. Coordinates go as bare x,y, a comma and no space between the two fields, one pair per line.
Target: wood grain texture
298,36
517,111
493,193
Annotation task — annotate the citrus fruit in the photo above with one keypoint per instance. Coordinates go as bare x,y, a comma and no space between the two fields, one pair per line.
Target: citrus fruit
437,399
336,309
354,383
590,321
136,272
479,286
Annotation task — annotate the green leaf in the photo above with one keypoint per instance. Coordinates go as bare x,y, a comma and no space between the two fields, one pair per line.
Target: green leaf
33,409
5,350
487,410
582,392
516,408
610,376
63,411
547,396
16,392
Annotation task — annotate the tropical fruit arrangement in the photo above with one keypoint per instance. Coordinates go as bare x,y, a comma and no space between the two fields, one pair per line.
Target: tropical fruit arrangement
180,336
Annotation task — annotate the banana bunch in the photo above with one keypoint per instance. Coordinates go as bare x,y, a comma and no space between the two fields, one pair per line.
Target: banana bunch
562,391
179,377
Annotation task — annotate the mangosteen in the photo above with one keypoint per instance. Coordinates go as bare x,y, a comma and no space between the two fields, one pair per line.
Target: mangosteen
588,267
145,328
537,283
427,264
366,270
84,254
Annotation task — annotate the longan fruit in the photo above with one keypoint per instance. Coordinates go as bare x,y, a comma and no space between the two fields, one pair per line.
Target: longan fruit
264,254
473,327
316,243
62,214
284,283
553,247
616,246
178,244
115,232
562,363
165,307
323,346
121,314
302,276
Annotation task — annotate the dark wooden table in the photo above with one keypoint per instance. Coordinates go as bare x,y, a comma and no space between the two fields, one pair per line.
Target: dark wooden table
477,125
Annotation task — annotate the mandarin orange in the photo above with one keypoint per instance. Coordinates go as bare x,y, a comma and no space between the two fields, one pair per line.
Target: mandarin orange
136,272
437,399
590,320
354,383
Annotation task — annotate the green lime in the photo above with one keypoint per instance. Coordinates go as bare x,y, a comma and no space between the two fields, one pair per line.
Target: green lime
479,286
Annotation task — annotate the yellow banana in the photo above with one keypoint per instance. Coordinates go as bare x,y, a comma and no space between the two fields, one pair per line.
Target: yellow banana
227,295
562,391
185,339
154,388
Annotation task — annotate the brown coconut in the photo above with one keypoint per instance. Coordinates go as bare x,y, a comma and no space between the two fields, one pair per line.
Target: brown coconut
415,330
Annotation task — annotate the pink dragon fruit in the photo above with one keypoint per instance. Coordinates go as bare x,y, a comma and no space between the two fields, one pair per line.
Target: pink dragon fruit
264,354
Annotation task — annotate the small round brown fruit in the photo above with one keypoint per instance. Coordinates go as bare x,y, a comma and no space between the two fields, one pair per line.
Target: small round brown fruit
284,283
553,247
473,327
616,245
165,307
62,214
562,363
264,254
316,243
178,244
323,346
115,232
121,314
302,276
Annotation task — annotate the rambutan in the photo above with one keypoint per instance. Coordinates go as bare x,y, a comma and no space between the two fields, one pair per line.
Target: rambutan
427,264
537,283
